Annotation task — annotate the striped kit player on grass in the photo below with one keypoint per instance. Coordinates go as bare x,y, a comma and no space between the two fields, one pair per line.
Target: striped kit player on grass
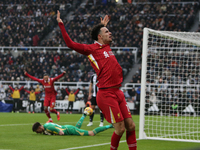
92,97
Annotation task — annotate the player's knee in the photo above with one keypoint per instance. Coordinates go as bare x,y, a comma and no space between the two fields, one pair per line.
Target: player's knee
132,126
120,131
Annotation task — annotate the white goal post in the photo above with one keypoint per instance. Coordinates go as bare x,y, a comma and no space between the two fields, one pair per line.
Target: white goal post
170,86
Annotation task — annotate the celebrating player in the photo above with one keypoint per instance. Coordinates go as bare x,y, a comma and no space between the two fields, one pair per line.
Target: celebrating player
110,98
50,93
55,129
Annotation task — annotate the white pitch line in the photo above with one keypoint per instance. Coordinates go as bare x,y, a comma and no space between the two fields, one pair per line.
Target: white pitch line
95,145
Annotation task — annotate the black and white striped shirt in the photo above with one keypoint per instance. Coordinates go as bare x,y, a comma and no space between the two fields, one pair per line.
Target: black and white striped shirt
94,84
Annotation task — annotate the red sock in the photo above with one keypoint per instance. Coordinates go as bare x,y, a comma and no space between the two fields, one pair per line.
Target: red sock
115,141
131,140
47,113
54,111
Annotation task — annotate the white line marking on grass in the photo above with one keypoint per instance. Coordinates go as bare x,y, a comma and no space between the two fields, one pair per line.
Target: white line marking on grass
95,145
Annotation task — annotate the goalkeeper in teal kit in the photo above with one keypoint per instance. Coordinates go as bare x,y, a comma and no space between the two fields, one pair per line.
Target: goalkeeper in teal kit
55,129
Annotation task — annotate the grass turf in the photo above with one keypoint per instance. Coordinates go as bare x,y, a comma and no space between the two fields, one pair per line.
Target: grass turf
16,133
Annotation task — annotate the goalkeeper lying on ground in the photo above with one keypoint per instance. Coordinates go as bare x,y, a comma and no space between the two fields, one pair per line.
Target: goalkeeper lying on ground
55,129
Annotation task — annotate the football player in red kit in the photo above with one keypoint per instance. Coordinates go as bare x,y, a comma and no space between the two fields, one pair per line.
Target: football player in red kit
110,98
50,93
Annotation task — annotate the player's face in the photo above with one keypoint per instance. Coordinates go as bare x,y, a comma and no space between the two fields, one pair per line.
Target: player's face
106,35
40,129
46,78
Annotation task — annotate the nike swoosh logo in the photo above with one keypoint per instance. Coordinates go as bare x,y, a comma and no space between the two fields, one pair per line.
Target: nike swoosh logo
80,133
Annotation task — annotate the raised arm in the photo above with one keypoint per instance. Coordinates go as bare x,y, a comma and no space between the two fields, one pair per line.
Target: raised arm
80,48
67,91
76,91
27,91
59,76
11,88
31,77
37,93
21,88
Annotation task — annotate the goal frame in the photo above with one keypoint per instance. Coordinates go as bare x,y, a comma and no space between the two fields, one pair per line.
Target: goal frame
142,134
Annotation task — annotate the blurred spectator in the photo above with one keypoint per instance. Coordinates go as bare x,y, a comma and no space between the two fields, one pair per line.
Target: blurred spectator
80,95
9,95
2,95
38,90
59,94
42,95
138,94
63,92
71,99
126,94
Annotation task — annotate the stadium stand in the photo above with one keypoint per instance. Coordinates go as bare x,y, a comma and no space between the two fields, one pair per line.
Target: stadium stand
25,23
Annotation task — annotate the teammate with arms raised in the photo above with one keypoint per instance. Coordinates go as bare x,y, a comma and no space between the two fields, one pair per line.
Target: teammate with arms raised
50,93
32,99
110,98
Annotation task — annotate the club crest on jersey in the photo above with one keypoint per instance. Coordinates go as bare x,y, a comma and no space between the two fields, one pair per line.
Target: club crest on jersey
105,54
118,115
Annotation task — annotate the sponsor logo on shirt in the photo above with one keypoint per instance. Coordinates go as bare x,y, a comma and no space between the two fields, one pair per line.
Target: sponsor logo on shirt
111,53
80,133
108,54
47,86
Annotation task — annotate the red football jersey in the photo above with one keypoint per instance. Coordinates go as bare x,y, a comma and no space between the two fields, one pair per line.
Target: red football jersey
109,72
48,86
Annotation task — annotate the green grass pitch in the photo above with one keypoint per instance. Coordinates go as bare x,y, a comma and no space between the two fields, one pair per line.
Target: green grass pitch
16,134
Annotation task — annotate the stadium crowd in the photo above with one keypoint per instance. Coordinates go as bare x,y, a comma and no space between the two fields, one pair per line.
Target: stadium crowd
26,23
77,66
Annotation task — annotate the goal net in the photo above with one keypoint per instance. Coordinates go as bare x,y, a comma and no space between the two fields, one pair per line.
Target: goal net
170,86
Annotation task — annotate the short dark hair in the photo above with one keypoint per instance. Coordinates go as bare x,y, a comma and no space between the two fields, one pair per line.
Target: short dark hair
96,30
45,74
35,126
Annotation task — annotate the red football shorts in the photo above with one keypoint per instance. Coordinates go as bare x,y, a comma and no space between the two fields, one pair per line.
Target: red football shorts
113,105
50,101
